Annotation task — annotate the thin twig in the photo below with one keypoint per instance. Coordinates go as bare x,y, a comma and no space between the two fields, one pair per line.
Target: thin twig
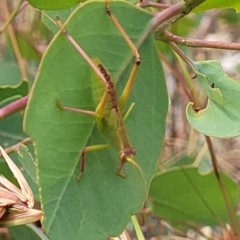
183,56
196,43
177,76
222,187
11,17
13,107
15,147
16,48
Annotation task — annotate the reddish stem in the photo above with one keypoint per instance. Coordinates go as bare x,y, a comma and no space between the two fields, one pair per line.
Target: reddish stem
13,107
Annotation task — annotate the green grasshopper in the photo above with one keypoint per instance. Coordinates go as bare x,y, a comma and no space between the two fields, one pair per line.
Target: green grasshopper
108,113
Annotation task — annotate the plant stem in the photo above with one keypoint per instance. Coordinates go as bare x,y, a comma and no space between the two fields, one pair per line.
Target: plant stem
16,48
13,107
196,43
178,76
168,16
16,146
11,17
137,228
222,187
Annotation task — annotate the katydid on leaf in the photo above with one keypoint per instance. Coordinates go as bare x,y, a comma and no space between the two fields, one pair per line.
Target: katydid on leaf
108,113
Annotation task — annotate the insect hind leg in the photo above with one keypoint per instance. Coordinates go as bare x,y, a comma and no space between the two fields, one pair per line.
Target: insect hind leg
83,156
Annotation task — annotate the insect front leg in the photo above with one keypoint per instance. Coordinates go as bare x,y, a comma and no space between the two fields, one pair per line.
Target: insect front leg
77,110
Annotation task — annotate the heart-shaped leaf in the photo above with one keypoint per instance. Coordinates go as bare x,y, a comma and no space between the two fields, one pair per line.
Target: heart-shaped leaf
99,204
180,196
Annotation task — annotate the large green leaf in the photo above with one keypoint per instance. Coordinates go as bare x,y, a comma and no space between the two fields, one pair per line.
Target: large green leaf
11,86
53,4
183,196
221,117
26,232
101,203
211,4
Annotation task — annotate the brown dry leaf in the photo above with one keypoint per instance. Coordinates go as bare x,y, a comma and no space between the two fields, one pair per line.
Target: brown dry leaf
16,205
